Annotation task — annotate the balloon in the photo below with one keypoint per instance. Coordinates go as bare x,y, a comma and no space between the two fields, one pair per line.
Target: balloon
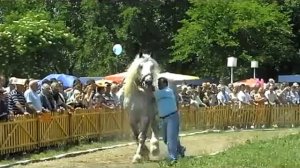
117,49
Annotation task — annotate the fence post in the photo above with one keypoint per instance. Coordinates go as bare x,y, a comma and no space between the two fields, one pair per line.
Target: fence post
38,131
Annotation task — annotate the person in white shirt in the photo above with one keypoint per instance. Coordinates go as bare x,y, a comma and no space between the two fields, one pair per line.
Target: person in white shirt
272,96
32,97
243,98
196,101
294,95
223,97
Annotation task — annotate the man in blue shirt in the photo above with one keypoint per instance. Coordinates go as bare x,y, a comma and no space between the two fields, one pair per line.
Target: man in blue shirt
168,112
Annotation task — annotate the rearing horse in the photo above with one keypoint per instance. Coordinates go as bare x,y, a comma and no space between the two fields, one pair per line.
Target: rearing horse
139,101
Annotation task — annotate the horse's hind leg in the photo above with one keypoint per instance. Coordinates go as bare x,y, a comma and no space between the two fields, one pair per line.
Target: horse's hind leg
142,151
154,141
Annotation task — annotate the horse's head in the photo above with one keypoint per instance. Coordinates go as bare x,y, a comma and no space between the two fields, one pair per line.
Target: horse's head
142,72
146,71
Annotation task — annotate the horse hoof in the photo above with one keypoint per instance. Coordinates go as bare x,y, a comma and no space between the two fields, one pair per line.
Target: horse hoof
155,151
136,158
154,148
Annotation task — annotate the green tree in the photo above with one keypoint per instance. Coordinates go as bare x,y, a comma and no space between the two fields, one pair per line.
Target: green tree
246,29
34,46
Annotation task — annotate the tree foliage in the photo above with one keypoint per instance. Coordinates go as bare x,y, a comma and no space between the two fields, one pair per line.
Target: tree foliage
246,29
33,46
77,36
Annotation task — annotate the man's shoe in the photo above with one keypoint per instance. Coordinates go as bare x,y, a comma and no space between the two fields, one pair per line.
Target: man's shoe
182,152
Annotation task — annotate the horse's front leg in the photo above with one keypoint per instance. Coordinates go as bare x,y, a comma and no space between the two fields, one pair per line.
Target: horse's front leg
142,151
154,141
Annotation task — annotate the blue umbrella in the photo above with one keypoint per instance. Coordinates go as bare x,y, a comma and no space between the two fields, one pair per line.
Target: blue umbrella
67,80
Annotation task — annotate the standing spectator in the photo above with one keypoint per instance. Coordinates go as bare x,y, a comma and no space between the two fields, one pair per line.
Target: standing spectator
234,96
259,97
243,98
99,101
184,98
3,105
115,98
90,92
196,101
247,93
59,98
283,94
230,86
254,91
16,100
294,94
10,86
2,82
223,97
46,98
32,98
222,84
108,99
75,98
271,95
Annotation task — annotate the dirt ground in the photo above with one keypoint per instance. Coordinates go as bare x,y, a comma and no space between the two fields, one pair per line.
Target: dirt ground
196,145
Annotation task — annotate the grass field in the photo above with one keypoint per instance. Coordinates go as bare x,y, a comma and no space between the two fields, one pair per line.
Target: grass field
276,153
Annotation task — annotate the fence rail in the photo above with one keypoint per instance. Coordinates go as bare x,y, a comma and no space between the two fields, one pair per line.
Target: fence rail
33,132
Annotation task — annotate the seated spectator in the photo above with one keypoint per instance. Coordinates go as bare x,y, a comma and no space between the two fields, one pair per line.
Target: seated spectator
59,98
32,98
3,105
46,98
16,100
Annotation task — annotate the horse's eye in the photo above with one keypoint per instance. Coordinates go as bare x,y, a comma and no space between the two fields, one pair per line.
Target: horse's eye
140,66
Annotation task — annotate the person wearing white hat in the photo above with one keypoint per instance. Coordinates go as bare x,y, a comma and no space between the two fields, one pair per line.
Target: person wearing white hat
10,86
16,100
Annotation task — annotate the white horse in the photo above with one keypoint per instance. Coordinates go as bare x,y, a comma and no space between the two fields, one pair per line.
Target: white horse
139,101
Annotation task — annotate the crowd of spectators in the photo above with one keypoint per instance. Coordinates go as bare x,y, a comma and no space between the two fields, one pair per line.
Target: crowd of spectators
269,93
24,97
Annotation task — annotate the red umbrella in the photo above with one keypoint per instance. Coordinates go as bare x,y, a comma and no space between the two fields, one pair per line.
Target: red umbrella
250,82
118,78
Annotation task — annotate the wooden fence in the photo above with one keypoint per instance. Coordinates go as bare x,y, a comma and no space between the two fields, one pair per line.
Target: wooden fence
33,132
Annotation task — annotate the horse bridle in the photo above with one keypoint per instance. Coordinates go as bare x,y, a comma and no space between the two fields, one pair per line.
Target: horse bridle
140,82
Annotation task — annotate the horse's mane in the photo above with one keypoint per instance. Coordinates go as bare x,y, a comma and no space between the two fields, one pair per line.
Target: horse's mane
132,73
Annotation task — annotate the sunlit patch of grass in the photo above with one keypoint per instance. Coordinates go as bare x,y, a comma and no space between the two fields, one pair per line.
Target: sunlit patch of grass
276,153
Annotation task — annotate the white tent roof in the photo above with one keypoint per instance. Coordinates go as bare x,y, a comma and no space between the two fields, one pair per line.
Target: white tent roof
177,77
